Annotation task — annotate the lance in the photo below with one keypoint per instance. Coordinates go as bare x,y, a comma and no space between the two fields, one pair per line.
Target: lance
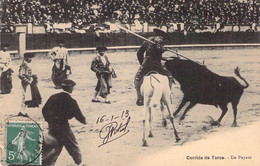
127,30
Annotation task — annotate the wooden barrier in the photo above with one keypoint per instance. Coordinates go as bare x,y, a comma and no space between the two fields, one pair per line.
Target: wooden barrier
48,41
86,43
91,50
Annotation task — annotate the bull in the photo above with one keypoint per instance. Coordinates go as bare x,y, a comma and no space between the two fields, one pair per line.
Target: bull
200,85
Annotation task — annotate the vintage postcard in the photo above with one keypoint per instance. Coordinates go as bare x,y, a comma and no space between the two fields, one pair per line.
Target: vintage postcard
118,82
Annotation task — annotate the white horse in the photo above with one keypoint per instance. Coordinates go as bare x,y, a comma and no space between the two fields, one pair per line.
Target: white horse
155,90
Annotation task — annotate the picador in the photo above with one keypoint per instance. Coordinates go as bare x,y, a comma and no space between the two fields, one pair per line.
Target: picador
151,61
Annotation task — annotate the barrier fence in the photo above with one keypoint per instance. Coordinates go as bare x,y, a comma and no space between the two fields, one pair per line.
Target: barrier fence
89,40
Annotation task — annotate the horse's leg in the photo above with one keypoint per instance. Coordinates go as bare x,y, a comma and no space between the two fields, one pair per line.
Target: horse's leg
187,109
150,122
164,122
183,102
144,140
167,101
146,109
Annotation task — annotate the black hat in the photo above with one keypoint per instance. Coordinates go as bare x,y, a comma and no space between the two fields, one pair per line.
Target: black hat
29,55
68,83
4,45
161,32
101,48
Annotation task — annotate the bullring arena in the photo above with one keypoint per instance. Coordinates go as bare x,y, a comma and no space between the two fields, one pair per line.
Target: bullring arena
220,34
198,137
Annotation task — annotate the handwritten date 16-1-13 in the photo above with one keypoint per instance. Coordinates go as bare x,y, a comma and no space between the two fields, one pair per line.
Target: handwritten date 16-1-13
115,128
104,118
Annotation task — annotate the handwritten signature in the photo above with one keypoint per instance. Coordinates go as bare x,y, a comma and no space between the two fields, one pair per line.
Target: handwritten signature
113,130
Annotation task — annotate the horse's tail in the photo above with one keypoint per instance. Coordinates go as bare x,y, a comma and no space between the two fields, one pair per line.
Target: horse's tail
157,90
152,76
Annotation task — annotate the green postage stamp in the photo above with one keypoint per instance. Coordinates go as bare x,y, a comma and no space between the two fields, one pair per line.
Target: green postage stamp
23,143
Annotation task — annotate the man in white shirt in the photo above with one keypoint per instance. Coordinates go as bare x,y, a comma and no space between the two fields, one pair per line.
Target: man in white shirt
5,70
60,69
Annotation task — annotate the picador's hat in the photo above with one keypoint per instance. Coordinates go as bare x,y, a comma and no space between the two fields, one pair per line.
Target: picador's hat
68,83
161,32
101,49
29,55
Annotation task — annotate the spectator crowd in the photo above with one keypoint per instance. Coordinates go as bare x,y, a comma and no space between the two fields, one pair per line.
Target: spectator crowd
82,13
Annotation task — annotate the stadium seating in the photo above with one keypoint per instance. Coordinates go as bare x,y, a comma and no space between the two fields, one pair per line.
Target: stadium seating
195,15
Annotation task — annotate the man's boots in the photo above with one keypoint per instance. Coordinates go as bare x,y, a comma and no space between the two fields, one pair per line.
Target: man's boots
140,99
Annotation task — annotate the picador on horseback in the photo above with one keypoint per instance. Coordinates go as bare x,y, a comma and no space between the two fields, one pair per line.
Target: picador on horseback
151,61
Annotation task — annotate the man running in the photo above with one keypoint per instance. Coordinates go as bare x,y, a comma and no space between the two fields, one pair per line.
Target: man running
57,111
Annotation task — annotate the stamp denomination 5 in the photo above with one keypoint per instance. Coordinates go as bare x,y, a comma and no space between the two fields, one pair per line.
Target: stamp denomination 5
23,143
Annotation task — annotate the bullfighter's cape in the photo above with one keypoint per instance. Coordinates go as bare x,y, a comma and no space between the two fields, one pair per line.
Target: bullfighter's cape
6,81
36,96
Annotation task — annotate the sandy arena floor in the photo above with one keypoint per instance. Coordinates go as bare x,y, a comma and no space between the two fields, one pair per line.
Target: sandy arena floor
195,131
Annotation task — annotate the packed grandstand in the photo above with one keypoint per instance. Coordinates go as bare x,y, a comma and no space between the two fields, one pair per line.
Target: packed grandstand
81,14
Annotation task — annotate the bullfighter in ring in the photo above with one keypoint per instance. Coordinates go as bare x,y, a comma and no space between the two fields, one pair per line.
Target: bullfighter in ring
151,61
61,68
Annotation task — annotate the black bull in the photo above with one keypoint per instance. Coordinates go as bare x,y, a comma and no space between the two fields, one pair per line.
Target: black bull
200,85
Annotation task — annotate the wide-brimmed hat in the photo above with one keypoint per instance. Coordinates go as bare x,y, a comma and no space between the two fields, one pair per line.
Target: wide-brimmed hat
101,49
161,32
68,83
29,55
